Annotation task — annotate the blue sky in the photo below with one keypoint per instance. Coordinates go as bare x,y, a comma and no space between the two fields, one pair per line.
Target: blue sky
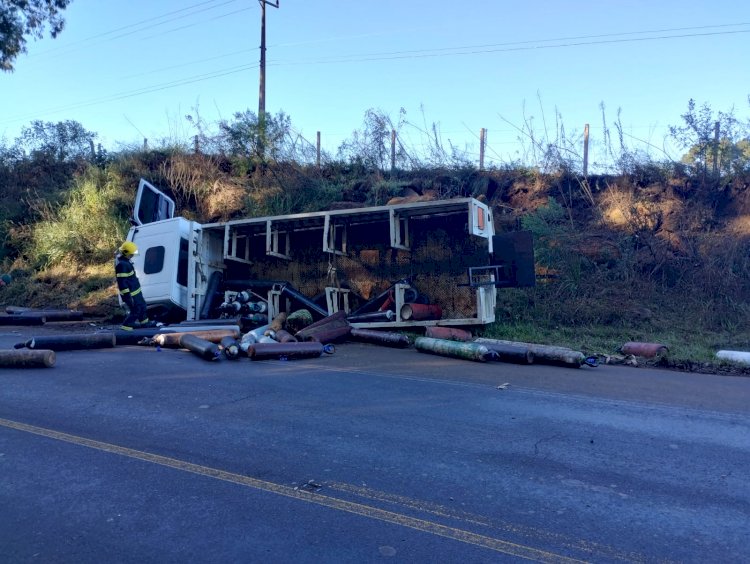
132,69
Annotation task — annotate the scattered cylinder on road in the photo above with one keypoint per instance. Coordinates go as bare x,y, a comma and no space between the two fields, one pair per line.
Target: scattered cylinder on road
194,322
277,324
284,336
27,359
543,354
172,340
17,309
329,335
465,351
135,336
288,351
511,353
231,347
54,314
201,347
386,338
299,319
25,320
83,341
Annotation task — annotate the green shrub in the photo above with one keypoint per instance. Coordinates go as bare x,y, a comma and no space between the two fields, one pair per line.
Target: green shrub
85,229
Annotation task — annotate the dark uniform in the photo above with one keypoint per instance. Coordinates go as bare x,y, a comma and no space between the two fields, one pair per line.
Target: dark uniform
130,291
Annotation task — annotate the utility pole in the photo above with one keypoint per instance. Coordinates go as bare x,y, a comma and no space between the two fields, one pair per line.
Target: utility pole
262,81
262,84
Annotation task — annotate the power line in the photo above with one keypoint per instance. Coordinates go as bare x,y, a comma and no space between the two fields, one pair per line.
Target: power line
201,22
133,93
478,50
383,56
572,38
189,64
77,44
171,20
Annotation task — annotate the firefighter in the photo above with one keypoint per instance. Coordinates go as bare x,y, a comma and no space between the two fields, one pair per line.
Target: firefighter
130,287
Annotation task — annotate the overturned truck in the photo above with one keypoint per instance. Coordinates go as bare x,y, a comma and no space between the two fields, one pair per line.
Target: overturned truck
403,265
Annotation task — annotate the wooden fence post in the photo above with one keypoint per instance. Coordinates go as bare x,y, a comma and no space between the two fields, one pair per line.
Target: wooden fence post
482,142
586,150
716,150
317,157
393,150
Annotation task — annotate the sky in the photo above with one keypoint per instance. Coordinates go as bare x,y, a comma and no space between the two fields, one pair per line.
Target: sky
133,69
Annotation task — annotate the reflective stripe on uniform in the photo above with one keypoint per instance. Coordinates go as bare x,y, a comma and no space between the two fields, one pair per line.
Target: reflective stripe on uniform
125,274
125,291
135,292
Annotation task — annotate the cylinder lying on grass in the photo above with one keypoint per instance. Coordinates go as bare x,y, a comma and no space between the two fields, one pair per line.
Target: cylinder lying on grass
83,341
646,350
201,347
388,339
741,357
27,359
543,354
288,351
442,347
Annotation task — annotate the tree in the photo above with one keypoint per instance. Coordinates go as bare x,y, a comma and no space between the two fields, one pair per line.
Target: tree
274,139
64,141
371,146
19,18
705,152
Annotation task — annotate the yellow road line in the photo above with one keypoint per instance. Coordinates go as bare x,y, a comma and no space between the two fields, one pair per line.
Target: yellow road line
499,545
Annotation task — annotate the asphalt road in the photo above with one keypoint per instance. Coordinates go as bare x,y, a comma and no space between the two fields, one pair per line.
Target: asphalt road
133,454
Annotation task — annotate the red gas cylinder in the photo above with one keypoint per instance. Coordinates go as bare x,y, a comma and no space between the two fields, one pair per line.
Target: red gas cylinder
419,312
449,333
646,350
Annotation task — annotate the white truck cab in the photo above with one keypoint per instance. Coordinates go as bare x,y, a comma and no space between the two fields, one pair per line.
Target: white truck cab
162,262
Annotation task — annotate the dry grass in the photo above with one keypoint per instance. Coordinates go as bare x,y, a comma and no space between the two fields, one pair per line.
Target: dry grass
91,289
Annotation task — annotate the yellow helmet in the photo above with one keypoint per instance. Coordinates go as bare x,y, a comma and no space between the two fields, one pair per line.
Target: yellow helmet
128,249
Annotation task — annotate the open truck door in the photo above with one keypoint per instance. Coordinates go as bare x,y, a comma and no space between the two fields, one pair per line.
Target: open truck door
151,205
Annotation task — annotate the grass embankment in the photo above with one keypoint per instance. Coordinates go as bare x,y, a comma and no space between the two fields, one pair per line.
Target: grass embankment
627,265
